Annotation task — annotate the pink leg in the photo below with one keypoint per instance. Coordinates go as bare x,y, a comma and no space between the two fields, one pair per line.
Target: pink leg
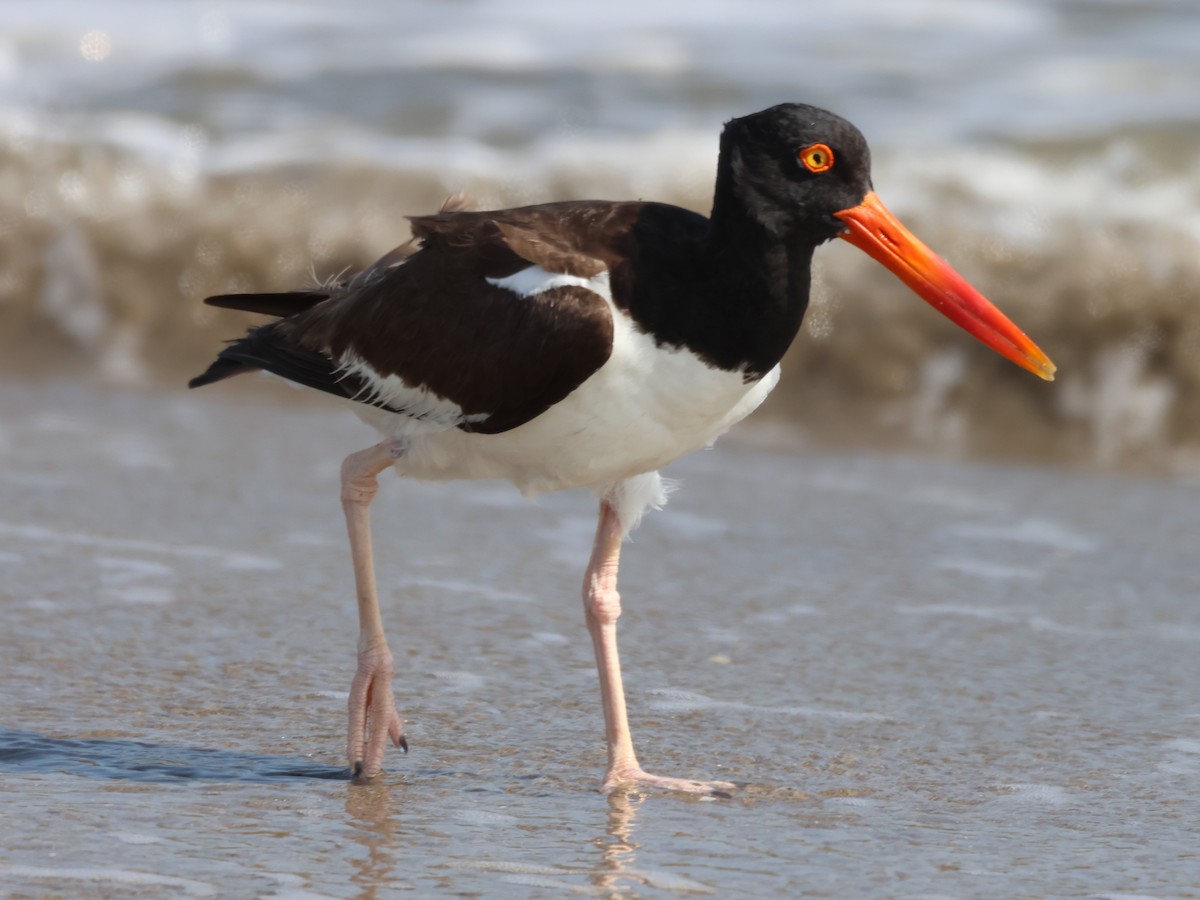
373,716
602,608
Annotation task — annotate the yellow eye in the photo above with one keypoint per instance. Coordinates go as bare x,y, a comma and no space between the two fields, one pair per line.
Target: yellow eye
816,158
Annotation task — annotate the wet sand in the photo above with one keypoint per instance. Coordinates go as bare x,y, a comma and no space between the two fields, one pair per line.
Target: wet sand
933,678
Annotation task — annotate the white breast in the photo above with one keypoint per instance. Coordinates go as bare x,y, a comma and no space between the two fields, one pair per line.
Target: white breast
646,406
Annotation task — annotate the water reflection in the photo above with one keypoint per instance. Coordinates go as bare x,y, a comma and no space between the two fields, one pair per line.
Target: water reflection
618,850
618,873
372,811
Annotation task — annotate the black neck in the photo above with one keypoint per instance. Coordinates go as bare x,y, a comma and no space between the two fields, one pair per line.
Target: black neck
761,287
728,288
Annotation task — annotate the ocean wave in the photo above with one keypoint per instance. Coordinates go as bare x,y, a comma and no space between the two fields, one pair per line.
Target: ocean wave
110,244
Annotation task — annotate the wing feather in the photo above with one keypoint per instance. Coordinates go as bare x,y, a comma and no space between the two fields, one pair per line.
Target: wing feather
425,319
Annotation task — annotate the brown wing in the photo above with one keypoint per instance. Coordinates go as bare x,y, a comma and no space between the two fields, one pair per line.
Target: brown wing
437,323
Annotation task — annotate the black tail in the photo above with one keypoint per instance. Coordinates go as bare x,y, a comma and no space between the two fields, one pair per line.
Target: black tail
257,350
221,369
268,349
280,305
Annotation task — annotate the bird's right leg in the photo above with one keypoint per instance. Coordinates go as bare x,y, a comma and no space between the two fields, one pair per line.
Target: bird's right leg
373,716
602,608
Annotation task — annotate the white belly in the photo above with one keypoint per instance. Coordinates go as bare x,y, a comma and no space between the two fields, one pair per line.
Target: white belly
646,406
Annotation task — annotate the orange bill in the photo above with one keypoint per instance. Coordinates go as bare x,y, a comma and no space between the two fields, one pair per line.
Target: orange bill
875,231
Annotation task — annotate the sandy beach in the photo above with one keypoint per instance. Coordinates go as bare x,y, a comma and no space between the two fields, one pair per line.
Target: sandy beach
931,678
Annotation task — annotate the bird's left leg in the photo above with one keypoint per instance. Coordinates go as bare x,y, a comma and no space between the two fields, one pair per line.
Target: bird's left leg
602,607
373,716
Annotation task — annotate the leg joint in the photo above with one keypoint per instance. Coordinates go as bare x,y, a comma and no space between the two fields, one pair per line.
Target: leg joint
359,471
360,489
602,604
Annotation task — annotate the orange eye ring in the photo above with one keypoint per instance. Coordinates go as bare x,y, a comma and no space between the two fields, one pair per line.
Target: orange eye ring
817,158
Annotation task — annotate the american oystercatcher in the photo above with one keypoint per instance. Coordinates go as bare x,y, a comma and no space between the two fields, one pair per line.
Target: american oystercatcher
585,344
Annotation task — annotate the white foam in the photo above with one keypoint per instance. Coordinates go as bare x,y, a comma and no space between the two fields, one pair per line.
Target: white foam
984,569
550,637
1041,532
672,700
1046,794
667,881
53,422
930,412
460,681
71,295
131,837
779,616
309,539
952,498
135,451
954,609
669,699
457,586
852,802
121,569
1127,406
1041,623
142,595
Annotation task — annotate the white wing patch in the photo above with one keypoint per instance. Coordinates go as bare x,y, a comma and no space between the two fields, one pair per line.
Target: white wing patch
536,280
417,401
393,391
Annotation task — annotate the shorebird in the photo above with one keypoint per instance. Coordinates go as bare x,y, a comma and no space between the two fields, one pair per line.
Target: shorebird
585,344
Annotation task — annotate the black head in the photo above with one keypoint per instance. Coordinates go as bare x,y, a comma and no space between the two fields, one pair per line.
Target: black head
790,168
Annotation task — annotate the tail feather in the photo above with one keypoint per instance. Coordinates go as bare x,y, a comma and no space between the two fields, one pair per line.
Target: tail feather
260,349
267,349
221,369
281,305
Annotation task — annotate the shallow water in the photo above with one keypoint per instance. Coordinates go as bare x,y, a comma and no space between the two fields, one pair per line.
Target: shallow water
931,678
